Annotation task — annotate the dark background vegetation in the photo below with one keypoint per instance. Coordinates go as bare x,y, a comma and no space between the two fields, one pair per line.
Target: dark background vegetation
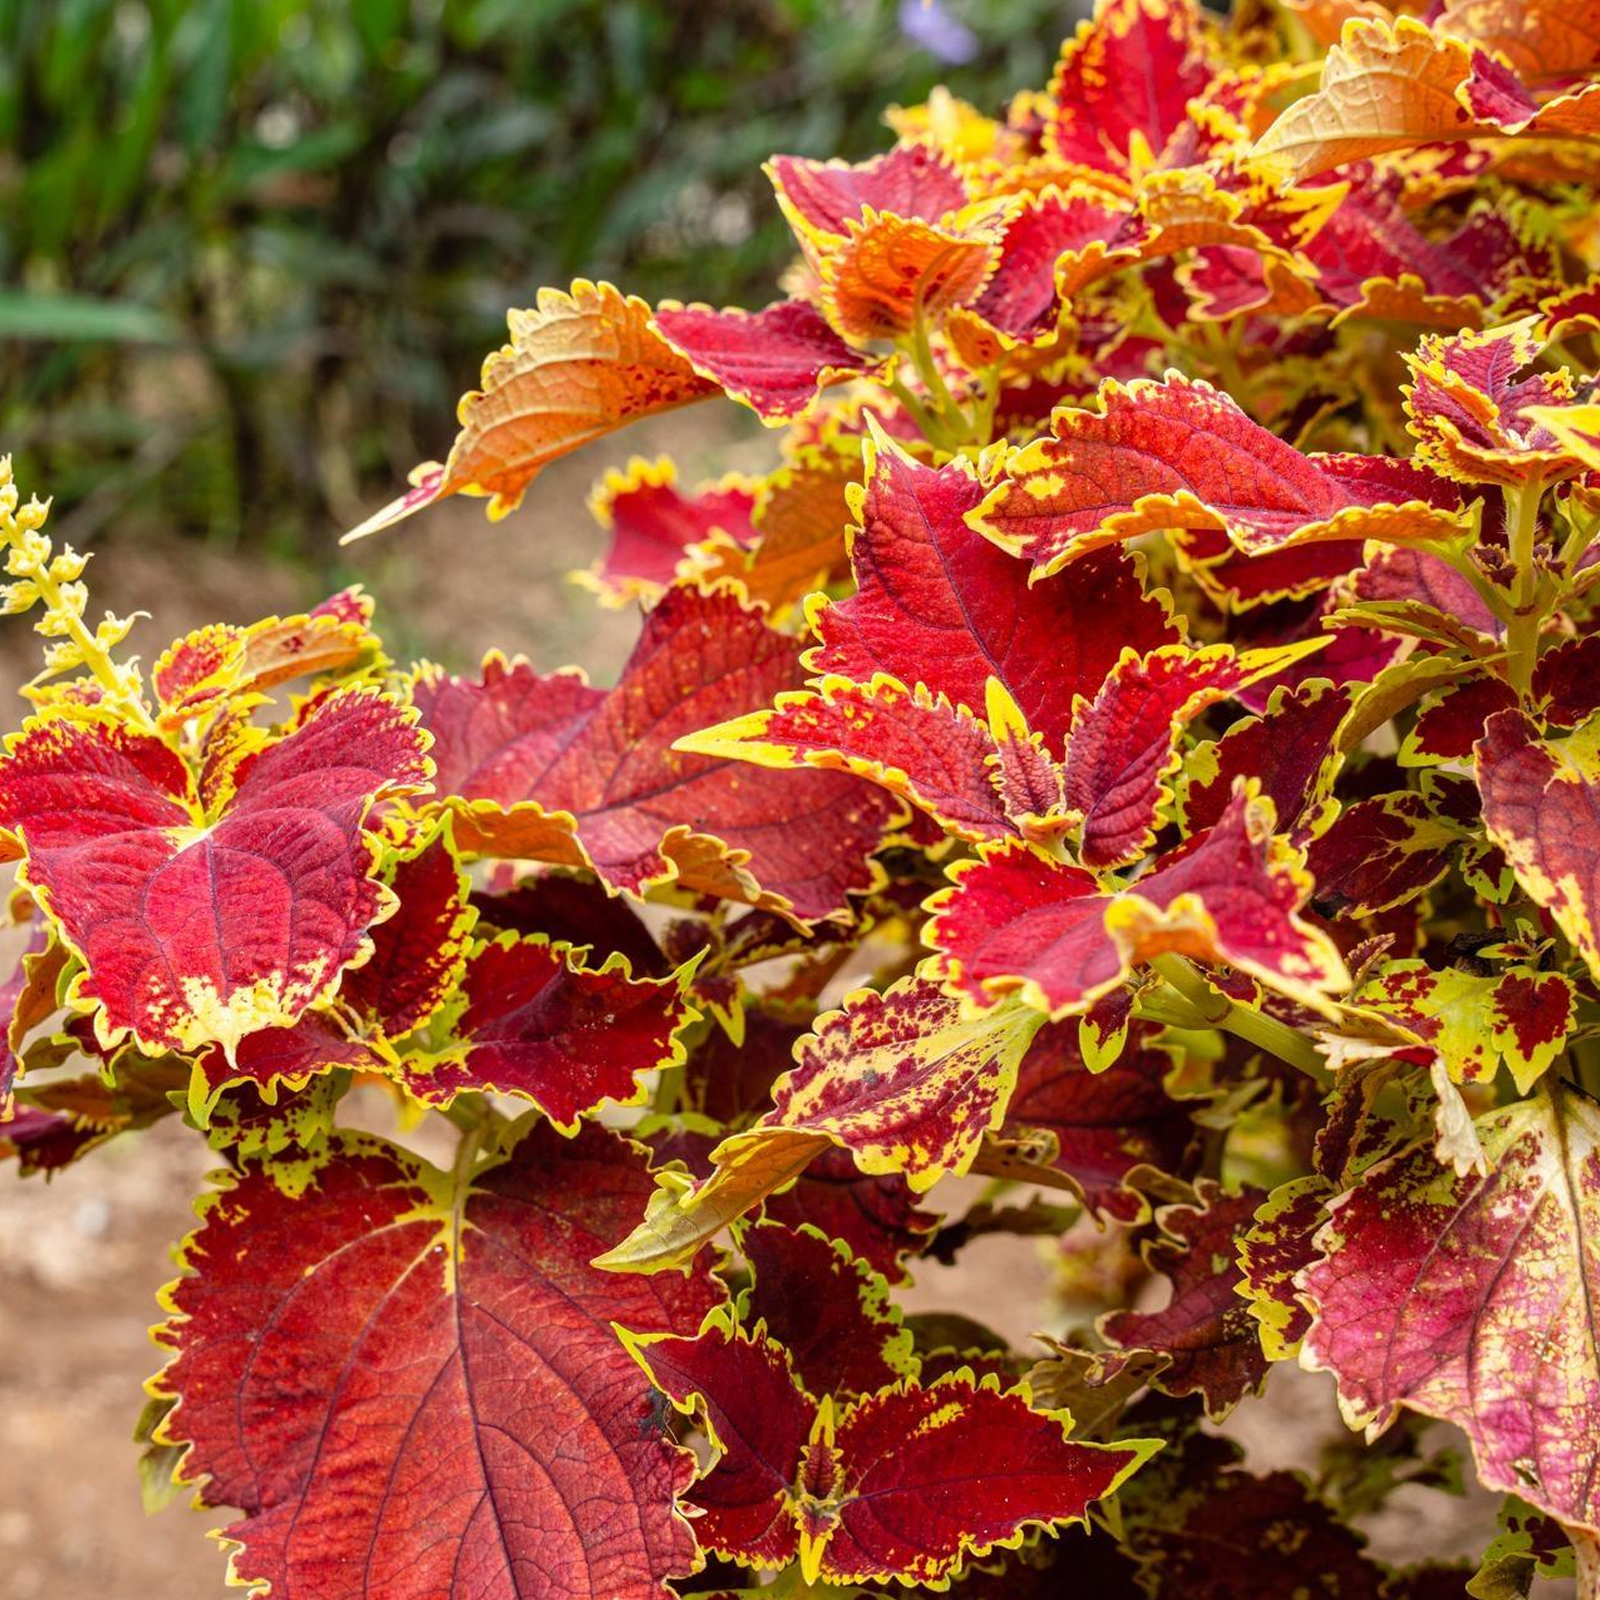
251,251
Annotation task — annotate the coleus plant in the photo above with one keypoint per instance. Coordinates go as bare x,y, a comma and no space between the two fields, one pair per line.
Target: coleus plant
1139,744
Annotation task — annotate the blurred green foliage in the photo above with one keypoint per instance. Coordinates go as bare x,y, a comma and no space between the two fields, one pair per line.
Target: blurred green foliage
252,250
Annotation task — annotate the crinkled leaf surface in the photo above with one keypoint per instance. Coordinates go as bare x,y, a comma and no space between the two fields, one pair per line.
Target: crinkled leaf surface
1471,1298
550,768
411,1387
197,925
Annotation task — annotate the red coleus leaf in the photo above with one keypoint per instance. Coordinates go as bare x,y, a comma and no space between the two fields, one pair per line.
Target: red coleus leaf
652,525
938,604
903,1484
552,769
408,1381
1124,82
1461,1297
1452,721
1181,455
822,198
1206,1330
538,1024
1541,806
203,924
1105,1123
1566,681
827,1308
1290,749
877,1217
1123,745
573,909
777,360
1018,919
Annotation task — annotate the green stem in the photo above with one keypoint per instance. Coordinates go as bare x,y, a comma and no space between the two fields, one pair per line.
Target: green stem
927,425
921,349
1522,631
1216,1010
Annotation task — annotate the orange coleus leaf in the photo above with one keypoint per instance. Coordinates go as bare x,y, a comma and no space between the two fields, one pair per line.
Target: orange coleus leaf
888,270
1123,84
408,1380
204,923
1538,39
904,1483
1460,1296
1020,920
653,525
776,361
1391,85
1541,806
197,672
550,768
579,366
1181,455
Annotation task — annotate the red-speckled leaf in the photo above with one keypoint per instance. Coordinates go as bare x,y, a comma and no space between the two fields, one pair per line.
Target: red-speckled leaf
1124,742
1379,853
776,361
549,768
937,604
1104,1123
1466,1298
539,1025
1474,1023
1124,82
1019,919
200,927
912,743
1541,806
1205,1329
1179,454
1290,749
827,1308
653,524
1272,1252
905,1483
411,1385
906,1080
579,366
